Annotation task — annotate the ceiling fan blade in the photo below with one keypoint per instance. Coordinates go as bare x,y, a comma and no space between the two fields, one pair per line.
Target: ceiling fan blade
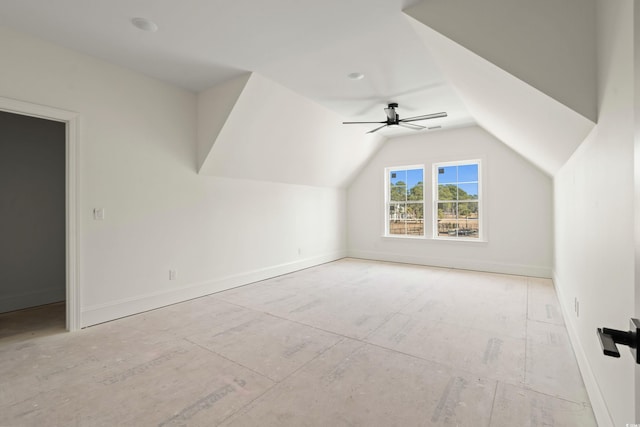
411,126
377,129
425,117
357,123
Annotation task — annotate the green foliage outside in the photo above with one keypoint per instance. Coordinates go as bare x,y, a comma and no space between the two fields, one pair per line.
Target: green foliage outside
399,193
452,192
457,210
453,209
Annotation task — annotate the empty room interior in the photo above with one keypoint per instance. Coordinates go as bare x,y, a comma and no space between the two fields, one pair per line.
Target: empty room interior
360,213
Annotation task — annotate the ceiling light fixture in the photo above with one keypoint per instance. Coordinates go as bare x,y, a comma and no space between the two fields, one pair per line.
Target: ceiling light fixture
355,76
145,24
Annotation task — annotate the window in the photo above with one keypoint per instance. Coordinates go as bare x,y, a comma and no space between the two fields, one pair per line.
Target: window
405,201
457,200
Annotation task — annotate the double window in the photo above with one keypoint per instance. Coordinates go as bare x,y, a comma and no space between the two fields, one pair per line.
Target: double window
456,201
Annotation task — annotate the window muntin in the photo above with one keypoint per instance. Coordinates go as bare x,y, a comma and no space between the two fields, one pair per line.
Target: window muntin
405,201
457,200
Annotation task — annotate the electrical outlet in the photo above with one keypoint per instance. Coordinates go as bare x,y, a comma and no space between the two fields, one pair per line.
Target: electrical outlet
299,251
98,214
173,274
576,306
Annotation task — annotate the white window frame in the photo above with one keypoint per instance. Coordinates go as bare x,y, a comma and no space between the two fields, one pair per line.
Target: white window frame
387,201
481,228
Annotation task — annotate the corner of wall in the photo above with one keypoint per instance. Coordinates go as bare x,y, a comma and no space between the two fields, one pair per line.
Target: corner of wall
214,106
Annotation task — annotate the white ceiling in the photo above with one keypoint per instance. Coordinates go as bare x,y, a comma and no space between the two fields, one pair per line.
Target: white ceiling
307,45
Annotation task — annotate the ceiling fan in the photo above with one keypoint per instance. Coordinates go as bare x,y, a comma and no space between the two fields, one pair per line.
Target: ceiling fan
393,119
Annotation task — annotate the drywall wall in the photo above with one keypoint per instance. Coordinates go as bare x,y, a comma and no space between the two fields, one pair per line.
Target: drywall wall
137,161
32,211
594,222
275,134
532,123
214,106
517,206
549,44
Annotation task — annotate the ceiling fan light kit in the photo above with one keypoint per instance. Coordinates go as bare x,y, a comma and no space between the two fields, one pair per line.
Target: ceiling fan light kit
393,119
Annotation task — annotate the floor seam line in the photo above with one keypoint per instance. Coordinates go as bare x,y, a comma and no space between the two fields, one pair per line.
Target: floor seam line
228,359
276,383
493,405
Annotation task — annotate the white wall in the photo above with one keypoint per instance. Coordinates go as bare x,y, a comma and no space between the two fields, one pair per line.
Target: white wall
137,157
517,206
594,246
274,134
540,128
550,44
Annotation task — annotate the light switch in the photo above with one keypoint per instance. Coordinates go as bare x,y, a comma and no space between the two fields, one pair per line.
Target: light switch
98,214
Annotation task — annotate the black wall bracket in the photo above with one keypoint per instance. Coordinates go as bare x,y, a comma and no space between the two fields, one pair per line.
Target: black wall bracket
610,337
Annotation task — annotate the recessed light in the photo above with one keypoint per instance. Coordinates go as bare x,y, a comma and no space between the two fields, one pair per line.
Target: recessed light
355,76
145,24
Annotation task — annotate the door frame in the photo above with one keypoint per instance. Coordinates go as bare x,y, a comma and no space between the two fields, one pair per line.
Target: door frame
73,308
636,182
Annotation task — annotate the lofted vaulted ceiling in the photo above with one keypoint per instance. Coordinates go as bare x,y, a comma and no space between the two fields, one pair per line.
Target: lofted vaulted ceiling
525,73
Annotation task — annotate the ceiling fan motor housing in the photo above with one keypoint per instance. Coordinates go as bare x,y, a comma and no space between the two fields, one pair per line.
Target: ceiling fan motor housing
392,116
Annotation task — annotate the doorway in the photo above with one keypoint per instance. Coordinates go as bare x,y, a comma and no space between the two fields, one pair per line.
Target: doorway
32,225
51,276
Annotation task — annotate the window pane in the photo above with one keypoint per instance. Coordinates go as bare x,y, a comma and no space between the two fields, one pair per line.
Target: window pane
447,228
447,210
447,219
469,209
468,227
468,219
415,219
416,193
415,211
447,192
447,174
398,192
397,214
468,173
468,191
398,176
414,176
415,228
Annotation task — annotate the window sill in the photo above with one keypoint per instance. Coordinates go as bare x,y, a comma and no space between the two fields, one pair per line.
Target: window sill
401,237
458,239
434,239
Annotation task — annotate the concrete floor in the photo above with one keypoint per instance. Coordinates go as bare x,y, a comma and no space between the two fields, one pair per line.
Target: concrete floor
350,343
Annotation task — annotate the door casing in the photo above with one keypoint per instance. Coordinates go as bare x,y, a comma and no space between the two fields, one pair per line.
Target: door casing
71,119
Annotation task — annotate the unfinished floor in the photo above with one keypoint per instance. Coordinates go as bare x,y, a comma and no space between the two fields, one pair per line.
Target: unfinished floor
350,343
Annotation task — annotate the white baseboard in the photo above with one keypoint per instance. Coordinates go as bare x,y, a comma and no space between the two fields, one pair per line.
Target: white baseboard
463,264
31,299
598,403
101,313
